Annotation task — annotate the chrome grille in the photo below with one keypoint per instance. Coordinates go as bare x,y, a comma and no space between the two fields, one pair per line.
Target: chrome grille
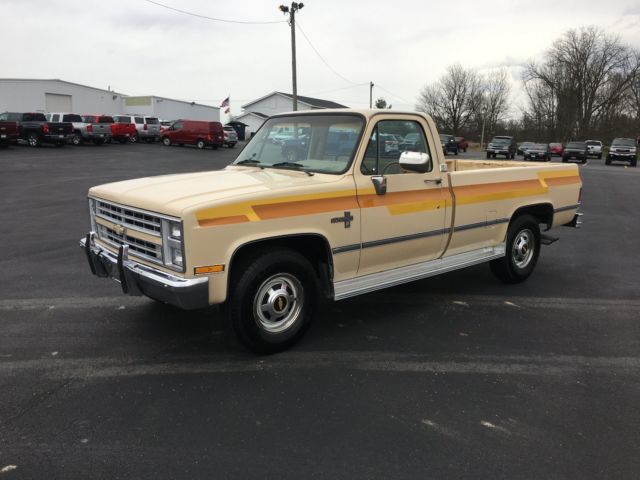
141,248
129,217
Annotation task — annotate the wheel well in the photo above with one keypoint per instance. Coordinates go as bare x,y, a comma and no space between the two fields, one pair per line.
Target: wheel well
542,212
313,247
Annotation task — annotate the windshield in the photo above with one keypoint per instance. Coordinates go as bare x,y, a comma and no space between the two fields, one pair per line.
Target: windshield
315,143
624,142
500,140
538,146
580,145
445,138
152,121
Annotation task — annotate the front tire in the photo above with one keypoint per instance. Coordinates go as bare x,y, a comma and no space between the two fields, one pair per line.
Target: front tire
166,141
522,251
273,299
200,144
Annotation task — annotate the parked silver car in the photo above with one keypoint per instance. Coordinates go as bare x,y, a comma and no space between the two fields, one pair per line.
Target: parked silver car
147,128
230,136
82,131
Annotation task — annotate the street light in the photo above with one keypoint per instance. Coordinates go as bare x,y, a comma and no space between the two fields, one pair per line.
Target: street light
291,11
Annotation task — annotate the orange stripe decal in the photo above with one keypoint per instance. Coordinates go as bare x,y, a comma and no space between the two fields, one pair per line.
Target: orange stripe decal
211,222
305,207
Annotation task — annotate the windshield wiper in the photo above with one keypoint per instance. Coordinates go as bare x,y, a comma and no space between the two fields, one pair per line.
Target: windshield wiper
248,161
295,165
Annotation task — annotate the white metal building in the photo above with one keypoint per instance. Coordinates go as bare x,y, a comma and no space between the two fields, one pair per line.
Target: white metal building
38,95
169,109
31,95
257,111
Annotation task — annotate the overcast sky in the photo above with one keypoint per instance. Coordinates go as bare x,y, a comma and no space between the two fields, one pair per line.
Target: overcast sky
139,48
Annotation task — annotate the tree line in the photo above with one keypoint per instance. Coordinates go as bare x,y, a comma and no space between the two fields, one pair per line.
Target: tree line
586,86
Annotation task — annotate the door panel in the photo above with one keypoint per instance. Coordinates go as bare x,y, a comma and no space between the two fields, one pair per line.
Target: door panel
406,225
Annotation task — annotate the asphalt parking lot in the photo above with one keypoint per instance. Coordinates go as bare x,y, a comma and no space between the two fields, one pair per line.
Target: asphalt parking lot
455,376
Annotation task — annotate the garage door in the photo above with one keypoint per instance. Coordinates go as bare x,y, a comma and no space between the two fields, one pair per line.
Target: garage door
55,102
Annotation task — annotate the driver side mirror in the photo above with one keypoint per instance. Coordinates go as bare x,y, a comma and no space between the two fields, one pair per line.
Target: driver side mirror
418,162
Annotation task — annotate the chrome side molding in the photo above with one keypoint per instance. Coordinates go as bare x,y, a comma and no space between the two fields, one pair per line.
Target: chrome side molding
397,276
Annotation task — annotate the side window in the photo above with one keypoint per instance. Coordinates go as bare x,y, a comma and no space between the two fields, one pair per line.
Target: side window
177,126
4,117
388,140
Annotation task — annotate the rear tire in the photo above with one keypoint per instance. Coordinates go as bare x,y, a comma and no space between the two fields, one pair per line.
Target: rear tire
34,140
200,144
273,300
76,139
522,251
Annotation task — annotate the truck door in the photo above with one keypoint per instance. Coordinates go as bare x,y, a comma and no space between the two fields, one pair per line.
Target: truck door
405,225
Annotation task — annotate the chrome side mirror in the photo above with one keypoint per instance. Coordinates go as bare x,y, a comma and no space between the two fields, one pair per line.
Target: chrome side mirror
380,184
419,162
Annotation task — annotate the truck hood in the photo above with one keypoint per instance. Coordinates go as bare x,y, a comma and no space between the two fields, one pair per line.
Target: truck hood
173,194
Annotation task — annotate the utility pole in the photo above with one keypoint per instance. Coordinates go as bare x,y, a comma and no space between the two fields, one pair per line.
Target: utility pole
370,94
291,11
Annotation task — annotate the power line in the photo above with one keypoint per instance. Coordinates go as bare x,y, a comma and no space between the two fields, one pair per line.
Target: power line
322,58
393,94
338,89
205,17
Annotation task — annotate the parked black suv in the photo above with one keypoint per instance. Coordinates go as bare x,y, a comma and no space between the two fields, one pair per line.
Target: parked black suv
623,149
502,145
449,144
577,150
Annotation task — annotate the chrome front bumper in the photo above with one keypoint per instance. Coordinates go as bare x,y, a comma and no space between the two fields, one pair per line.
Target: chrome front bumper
138,279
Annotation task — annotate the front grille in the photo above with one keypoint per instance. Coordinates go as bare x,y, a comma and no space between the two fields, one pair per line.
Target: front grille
129,218
141,248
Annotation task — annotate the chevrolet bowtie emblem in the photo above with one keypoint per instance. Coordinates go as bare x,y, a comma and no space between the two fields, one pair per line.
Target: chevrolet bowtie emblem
347,219
119,229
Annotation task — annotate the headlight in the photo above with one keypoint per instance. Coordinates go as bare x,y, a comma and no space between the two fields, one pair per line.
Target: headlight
92,214
173,248
175,230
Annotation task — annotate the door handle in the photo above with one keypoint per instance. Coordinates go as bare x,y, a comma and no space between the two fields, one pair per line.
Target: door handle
437,181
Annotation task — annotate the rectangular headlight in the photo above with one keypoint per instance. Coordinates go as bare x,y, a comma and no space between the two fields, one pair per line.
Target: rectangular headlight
92,214
172,246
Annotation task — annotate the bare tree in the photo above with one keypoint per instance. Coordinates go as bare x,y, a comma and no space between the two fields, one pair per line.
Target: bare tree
588,72
496,91
382,104
453,100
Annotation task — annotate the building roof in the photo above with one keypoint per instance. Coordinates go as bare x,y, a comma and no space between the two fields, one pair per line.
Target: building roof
156,97
262,116
312,102
58,80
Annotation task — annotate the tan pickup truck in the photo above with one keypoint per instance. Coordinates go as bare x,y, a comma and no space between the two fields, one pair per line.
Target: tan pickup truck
348,203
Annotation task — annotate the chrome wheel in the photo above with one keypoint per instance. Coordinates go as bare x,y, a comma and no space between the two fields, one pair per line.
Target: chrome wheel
32,140
523,248
278,303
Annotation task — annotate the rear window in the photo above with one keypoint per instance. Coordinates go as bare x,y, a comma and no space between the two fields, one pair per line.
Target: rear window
593,142
34,117
152,121
576,145
139,120
89,118
71,118
106,120
122,119
229,129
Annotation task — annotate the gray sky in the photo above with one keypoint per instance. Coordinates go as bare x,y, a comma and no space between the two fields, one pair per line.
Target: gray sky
139,48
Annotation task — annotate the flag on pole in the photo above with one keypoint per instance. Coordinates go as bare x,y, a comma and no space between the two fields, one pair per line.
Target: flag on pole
227,110
225,102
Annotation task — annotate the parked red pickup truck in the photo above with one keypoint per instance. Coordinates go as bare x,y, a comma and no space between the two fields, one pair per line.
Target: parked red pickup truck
8,133
122,131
